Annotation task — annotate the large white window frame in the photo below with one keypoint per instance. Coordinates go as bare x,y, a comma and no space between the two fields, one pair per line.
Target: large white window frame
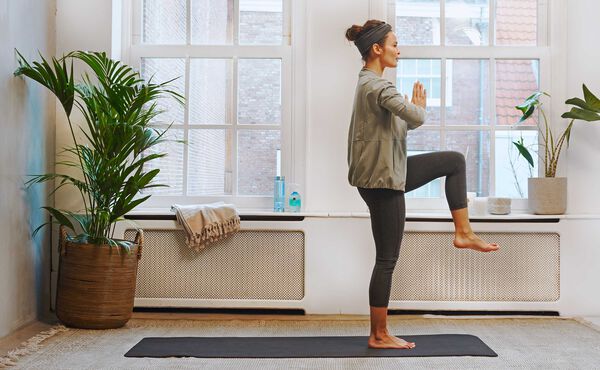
386,9
291,53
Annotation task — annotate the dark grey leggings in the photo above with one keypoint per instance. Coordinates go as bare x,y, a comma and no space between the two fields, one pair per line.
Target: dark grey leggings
388,212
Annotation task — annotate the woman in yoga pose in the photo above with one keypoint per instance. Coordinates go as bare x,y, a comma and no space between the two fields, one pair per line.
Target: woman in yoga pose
382,172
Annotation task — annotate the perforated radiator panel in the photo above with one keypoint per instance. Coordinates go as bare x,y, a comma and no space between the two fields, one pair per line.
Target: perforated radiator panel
430,268
250,264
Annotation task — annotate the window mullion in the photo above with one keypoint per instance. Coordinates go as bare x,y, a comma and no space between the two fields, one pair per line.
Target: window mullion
188,23
492,23
186,120
492,110
236,22
234,127
442,22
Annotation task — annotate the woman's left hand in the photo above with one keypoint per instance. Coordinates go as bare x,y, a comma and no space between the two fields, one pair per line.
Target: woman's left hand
419,96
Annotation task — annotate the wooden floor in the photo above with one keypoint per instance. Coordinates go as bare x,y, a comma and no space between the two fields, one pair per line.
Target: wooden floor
13,340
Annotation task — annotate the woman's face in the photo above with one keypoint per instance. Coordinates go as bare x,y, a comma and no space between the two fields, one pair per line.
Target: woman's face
390,53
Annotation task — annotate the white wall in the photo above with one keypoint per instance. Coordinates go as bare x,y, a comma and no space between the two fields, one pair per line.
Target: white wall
583,58
80,25
26,147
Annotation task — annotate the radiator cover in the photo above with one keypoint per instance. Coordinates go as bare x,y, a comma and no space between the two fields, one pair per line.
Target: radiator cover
525,269
250,264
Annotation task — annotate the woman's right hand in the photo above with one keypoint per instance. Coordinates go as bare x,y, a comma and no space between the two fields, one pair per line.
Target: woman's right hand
419,95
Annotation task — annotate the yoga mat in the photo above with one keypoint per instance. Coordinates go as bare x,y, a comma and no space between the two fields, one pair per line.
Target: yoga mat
300,347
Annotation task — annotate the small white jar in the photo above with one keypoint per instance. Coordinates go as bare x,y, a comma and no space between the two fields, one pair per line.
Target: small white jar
498,205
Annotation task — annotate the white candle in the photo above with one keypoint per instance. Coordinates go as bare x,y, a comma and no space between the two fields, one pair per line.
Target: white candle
278,166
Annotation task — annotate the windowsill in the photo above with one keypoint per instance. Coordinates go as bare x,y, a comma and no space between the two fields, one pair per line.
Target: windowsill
410,215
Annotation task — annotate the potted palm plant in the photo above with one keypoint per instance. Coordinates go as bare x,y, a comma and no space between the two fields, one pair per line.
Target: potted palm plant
548,194
97,273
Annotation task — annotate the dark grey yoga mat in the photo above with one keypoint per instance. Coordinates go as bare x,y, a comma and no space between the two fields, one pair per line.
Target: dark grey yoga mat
288,347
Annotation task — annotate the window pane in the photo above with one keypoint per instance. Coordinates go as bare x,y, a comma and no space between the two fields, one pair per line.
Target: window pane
468,90
210,91
515,81
212,22
171,165
475,146
261,22
419,142
257,160
467,22
424,67
435,88
516,24
418,22
164,21
513,170
161,70
209,157
404,84
259,94
409,67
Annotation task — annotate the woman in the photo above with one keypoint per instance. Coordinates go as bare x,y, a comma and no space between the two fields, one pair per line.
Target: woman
382,172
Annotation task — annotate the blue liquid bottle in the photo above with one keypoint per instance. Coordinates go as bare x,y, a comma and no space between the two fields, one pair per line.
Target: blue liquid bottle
295,201
279,194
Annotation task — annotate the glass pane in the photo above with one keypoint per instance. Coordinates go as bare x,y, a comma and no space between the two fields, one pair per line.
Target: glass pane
212,22
424,67
404,84
512,170
210,91
164,21
259,91
467,92
516,25
261,22
418,22
475,146
515,81
420,142
409,67
467,22
435,88
171,165
209,157
161,70
257,161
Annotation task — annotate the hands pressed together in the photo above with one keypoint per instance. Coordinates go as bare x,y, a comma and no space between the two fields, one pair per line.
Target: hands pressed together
419,95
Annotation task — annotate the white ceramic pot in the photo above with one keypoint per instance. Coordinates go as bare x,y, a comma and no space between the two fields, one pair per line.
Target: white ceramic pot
547,195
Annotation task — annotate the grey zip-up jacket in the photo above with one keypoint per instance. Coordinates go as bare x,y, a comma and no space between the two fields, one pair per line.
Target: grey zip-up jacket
380,120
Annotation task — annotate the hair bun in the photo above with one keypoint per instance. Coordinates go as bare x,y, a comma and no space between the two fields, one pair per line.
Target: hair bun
352,32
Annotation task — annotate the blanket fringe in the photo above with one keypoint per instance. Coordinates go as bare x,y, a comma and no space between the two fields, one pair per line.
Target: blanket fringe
31,345
213,232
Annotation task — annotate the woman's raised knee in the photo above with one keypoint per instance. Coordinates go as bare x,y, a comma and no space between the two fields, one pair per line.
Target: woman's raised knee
457,158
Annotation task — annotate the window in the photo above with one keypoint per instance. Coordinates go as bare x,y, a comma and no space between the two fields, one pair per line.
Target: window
478,59
231,59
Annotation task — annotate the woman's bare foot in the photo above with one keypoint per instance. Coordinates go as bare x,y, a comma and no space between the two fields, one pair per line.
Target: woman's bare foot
472,241
389,341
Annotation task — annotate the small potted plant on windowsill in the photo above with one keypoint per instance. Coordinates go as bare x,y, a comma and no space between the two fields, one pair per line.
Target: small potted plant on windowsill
97,273
548,194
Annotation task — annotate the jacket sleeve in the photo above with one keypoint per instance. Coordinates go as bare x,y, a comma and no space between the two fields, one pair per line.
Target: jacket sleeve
390,99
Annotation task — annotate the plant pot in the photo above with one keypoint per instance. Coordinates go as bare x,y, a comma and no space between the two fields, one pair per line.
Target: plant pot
96,284
547,195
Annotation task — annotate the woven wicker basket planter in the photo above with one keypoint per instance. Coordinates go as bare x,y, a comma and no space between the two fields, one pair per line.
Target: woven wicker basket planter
96,284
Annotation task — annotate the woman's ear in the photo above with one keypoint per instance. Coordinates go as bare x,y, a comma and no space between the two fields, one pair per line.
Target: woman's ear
377,49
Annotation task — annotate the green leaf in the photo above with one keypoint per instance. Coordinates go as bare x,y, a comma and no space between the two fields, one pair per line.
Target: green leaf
528,106
578,113
590,98
60,217
524,151
582,104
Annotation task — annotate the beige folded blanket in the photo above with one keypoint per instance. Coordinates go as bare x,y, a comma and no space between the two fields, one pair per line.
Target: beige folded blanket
206,223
